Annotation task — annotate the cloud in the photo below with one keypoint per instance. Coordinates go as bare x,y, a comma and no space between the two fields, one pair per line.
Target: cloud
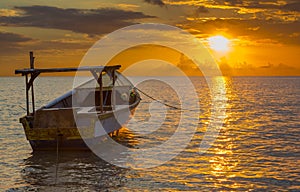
8,12
234,2
295,6
247,69
279,66
90,21
155,2
288,5
12,38
14,52
202,9
280,32
196,13
12,43
249,6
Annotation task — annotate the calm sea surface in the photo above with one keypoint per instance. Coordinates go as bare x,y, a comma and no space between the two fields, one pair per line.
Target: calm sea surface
258,147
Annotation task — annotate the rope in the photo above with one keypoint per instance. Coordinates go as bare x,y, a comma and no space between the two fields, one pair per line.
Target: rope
22,108
168,105
57,155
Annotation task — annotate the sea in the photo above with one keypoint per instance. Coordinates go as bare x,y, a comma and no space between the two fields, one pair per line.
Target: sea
255,146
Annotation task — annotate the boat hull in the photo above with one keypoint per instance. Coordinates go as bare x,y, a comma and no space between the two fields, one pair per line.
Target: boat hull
82,137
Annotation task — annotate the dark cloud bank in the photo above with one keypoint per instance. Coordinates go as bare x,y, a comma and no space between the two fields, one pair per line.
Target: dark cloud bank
90,21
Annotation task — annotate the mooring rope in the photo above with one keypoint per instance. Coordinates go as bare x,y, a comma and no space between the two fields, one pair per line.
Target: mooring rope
166,104
22,107
57,155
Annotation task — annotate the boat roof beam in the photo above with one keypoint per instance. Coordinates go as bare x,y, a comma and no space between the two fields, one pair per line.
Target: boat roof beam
72,69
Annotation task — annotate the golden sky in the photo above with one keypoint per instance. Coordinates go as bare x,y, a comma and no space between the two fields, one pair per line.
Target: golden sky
261,37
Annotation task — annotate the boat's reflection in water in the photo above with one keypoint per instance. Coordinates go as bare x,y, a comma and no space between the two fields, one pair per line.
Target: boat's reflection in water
82,170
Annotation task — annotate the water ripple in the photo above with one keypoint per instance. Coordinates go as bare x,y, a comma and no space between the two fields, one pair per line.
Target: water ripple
258,147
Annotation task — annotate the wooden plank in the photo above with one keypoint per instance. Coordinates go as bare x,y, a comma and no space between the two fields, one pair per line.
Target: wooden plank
53,70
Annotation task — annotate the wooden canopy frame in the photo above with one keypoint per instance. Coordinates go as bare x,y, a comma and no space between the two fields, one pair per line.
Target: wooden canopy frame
32,73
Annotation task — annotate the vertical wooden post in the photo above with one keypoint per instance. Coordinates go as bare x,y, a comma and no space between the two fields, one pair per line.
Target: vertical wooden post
101,91
31,60
32,99
114,77
27,96
113,99
32,91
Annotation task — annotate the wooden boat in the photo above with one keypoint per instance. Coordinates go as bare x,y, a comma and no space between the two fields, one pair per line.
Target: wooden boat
98,107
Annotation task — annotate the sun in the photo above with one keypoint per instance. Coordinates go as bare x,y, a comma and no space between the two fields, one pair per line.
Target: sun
219,43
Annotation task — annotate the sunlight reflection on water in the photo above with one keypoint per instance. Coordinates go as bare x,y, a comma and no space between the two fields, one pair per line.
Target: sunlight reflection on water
257,148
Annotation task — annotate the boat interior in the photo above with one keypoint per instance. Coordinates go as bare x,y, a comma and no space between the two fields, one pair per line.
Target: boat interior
88,94
86,99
